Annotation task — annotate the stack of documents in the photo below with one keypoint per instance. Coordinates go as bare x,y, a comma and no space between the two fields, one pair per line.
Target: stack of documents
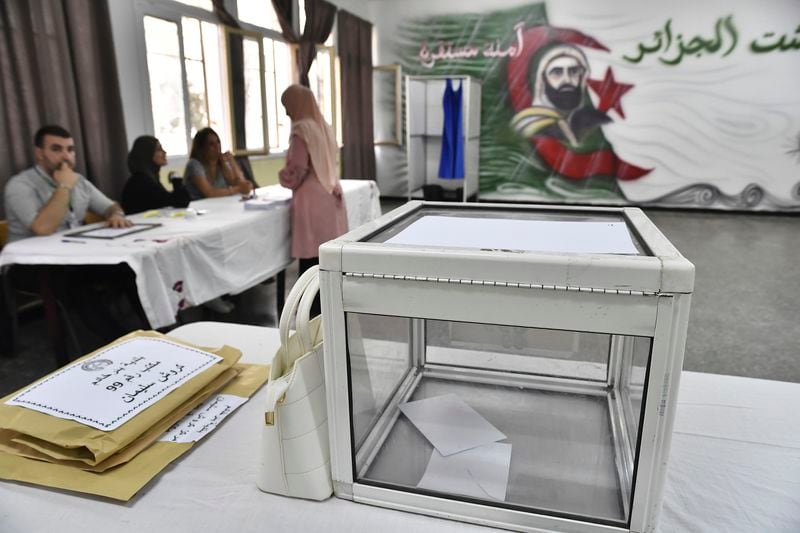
260,203
107,423
269,197
467,457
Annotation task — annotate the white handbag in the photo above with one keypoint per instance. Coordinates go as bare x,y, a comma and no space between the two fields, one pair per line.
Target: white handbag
295,455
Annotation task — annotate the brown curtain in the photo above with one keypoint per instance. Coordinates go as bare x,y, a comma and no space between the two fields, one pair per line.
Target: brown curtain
57,66
283,9
355,56
320,16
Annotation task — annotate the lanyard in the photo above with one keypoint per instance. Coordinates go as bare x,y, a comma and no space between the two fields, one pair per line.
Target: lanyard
52,183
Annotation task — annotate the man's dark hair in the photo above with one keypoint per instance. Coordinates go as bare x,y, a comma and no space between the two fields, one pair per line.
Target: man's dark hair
50,129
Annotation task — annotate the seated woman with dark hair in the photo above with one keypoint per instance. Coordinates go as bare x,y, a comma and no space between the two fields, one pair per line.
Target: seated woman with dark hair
143,190
210,172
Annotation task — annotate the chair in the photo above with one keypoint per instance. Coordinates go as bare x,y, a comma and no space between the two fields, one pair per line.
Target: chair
7,329
247,169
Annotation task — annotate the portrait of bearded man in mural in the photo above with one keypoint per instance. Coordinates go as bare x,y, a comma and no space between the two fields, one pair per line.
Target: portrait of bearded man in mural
560,106
549,84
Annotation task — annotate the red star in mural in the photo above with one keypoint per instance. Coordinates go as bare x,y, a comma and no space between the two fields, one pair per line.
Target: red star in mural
610,92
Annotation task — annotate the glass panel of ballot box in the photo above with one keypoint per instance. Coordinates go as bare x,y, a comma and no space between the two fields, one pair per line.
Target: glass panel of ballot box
505,365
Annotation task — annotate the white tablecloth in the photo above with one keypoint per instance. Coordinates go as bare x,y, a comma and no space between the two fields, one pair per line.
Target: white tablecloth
734,468
186,261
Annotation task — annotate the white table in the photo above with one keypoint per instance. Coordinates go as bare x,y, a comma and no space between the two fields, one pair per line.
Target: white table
188,261
734,467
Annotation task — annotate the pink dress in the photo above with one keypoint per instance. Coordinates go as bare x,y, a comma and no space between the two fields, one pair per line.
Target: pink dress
317,216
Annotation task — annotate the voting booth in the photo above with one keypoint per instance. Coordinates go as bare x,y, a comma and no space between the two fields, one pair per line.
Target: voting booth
509,365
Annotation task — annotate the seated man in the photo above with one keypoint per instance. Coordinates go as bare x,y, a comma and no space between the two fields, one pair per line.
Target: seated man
51,196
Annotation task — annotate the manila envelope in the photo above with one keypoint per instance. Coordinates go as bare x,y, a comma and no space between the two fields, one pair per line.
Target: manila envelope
17,446
68,440
125,480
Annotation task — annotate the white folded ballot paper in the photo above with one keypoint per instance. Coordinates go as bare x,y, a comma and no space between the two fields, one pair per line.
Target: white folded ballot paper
480,472
450,424
467,459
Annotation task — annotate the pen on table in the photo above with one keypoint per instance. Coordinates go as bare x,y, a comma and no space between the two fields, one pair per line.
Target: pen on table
73,241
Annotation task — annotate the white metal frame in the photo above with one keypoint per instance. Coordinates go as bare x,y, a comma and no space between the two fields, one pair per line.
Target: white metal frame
655,304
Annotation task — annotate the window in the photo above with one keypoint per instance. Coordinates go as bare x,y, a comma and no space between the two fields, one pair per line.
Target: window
323,79
278,75
301,15
258,12
320,79
179,110
202,4
189,89
166,85
203,76
253,93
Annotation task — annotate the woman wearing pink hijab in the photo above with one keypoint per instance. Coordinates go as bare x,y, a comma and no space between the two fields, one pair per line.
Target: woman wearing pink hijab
318,211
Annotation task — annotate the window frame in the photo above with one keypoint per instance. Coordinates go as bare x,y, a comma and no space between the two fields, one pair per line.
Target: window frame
173,11
269,33
335,92
258,38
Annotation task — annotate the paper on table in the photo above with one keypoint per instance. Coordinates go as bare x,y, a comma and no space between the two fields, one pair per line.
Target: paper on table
111,233
202,420
587,237
274,192
450,424
481,472
263,203
111,387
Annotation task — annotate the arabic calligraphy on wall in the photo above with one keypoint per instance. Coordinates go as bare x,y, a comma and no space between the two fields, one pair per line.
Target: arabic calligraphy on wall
671,47
428,56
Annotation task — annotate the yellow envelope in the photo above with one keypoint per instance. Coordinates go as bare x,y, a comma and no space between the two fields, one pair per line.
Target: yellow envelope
68,440
124,481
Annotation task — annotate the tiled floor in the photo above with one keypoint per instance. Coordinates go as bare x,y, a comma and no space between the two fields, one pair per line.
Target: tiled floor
745,308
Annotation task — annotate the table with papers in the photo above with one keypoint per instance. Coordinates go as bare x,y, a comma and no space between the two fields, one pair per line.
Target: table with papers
191,257
734,467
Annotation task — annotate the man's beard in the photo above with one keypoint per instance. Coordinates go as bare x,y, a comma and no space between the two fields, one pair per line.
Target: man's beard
565,98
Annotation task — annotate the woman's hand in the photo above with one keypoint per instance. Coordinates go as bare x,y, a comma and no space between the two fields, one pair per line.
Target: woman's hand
337,193
244,187
230,169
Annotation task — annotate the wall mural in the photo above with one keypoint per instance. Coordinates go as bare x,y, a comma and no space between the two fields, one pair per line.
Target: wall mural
567,117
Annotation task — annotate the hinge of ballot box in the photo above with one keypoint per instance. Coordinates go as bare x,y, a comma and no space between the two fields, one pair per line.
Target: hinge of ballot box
499,284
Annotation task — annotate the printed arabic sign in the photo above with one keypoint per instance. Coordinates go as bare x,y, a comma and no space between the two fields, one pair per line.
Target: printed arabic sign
701,110
202,420
116,384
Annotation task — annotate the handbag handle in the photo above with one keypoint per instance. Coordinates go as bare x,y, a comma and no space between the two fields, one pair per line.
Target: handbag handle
304,310
290,310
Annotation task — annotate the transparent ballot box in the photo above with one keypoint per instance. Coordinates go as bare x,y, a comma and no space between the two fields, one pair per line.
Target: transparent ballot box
514,366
